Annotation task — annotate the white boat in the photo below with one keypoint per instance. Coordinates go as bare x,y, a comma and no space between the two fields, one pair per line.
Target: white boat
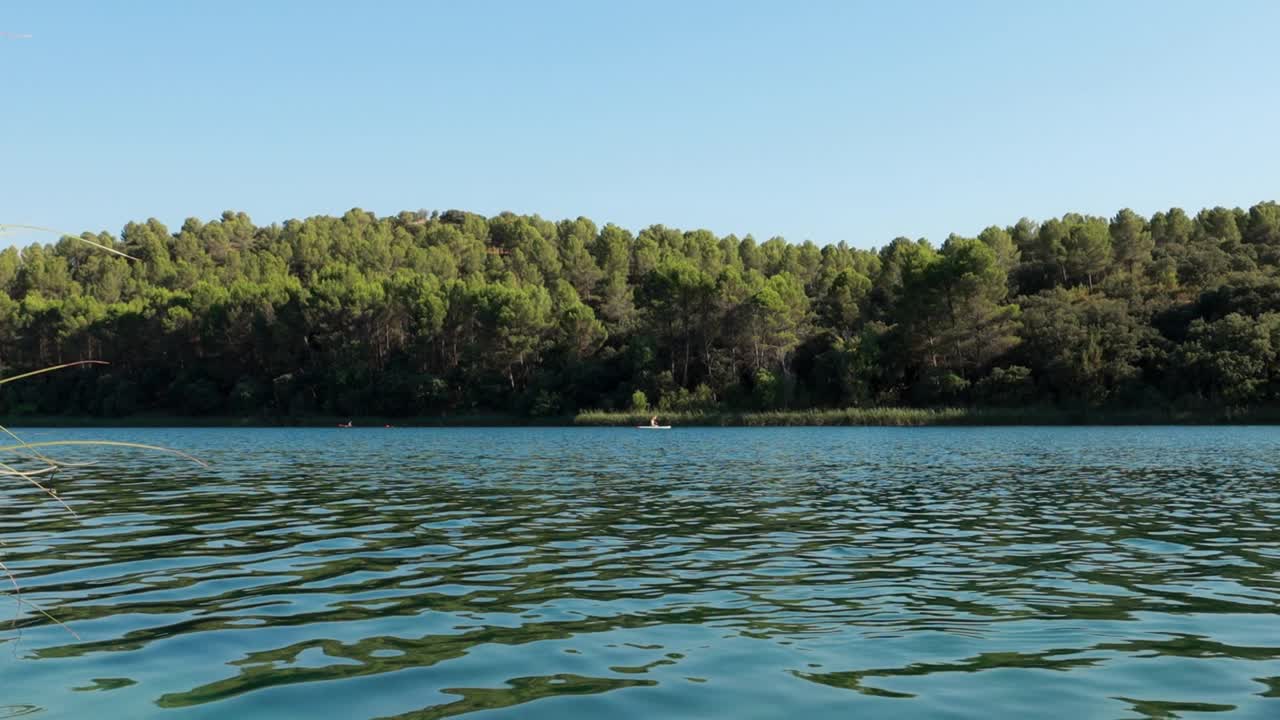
653,427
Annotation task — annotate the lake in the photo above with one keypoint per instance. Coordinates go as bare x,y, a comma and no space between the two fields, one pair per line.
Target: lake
701,573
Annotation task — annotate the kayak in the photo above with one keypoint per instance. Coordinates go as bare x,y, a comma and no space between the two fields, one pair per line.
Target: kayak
653,427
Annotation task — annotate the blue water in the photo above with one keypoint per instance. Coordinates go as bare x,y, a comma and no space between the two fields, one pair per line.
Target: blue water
695,573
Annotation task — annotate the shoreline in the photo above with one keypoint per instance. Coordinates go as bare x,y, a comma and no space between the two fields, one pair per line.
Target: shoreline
850,417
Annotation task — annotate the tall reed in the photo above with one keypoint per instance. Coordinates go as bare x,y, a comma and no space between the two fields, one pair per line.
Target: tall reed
28,462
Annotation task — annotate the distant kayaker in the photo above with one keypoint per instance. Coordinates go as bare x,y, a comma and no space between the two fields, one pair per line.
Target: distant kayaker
653,421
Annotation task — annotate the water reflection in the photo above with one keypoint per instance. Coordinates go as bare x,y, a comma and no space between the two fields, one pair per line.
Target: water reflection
713,573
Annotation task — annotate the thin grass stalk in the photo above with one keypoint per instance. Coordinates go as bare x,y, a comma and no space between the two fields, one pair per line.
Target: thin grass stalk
28,451
10,227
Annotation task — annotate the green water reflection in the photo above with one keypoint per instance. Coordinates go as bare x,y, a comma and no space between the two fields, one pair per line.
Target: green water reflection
1018,572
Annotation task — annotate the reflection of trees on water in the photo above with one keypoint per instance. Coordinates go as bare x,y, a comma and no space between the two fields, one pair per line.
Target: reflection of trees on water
399,565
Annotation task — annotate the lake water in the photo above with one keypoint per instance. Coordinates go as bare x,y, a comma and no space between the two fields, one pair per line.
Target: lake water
695,573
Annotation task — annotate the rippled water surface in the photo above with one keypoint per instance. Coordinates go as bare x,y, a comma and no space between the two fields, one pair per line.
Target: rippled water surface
702,573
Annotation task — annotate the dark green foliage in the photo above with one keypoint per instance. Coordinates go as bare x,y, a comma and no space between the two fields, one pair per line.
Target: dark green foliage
1231,360
439,313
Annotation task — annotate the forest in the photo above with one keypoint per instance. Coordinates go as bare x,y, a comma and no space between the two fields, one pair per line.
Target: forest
452,313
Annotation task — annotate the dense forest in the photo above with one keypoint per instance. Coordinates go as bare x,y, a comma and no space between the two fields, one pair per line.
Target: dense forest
424,314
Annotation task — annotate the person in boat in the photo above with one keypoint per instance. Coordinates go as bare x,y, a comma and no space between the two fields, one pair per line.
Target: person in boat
653,421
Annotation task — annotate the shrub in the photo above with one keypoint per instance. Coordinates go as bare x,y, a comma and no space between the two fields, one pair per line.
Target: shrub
1011,386
639,401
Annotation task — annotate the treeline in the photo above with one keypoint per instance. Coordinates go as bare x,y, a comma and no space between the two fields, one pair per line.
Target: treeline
427,314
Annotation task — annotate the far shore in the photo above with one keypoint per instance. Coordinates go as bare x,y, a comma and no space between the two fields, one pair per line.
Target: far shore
867,417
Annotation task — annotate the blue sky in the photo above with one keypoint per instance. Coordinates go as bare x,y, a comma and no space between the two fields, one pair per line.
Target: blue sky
829,121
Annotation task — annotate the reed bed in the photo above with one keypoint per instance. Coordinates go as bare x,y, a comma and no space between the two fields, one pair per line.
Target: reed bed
920,417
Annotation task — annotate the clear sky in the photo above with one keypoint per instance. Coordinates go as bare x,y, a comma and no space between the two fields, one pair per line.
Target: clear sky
829,121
